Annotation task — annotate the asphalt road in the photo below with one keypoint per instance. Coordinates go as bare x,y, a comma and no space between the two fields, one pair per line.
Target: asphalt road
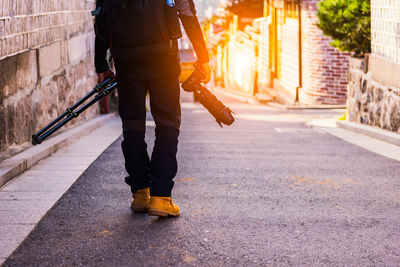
266,191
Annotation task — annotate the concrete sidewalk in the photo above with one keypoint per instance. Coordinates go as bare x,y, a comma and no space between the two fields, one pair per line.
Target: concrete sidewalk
23,161
27,198
372,131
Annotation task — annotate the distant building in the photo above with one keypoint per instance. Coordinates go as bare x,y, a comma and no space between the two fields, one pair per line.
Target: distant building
209,12
275,49
203,8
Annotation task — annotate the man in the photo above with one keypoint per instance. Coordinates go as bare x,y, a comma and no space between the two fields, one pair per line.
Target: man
141,35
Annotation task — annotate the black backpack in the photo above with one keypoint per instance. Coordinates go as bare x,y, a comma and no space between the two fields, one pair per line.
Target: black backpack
141,28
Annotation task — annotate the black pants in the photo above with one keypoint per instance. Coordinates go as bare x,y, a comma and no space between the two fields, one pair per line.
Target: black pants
159,171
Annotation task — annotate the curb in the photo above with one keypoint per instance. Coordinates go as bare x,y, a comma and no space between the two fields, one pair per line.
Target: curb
378,133
321,107
12,167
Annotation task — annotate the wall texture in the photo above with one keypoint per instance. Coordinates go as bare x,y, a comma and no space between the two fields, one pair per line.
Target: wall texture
372,102
46,63
385,27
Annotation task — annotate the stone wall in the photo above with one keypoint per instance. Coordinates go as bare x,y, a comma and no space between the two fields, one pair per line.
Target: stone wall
46,63
371,102
374,86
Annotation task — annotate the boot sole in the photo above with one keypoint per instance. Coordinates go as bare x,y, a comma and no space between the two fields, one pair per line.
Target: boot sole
161,213
140,210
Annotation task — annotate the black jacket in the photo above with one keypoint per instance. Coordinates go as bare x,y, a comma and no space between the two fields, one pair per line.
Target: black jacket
188,18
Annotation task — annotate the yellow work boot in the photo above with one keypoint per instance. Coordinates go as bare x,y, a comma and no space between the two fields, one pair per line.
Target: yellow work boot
141,200
163,207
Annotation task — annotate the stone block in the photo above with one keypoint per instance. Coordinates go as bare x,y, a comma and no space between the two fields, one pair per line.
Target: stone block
357,63
379,94
77,48
17,118
90,37
395,117
21,121
384,70
64,53
49,59
373,102
17,72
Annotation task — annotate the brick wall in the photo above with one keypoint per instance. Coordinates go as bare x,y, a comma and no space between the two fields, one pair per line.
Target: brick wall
46,63
385,27
325,69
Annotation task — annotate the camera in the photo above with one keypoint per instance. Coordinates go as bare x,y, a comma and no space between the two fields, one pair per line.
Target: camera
221,113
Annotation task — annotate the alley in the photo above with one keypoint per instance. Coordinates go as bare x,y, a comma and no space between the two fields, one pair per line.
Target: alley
266,191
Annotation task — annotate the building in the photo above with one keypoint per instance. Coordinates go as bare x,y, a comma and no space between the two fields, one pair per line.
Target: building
283,53
46,63
374,86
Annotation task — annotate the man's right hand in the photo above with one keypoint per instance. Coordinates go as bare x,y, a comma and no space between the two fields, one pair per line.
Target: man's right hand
104,75
205,68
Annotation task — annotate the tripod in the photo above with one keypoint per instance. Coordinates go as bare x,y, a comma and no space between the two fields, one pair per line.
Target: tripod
103,89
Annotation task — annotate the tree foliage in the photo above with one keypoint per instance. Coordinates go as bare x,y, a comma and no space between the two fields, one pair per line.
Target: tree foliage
348,22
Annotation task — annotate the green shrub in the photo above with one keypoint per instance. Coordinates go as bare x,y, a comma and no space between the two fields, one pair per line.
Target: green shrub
348,22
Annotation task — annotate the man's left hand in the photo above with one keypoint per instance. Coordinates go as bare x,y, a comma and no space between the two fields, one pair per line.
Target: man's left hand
104,75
